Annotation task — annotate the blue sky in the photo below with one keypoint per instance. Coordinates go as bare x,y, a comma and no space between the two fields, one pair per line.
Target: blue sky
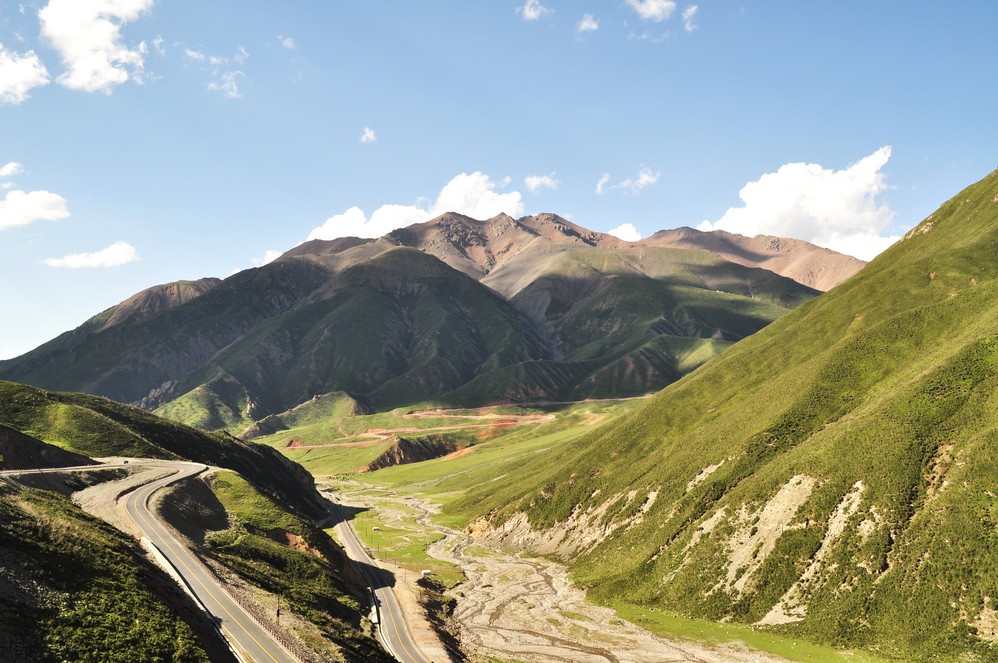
146,141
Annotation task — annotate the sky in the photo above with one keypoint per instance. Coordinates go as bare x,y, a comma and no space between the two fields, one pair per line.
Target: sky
149,141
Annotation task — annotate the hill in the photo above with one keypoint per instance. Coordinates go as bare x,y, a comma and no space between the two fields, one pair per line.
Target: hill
454,311
255,519
831,477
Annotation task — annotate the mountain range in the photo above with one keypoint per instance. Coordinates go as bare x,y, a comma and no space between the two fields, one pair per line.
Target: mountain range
454,311
832,477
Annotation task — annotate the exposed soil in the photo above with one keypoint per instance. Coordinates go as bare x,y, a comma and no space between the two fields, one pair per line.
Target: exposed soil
512,606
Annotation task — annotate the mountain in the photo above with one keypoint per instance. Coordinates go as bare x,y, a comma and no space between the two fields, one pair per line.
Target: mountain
832,477
814,266
455,311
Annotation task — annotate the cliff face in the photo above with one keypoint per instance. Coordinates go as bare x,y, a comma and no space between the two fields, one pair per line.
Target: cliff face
404,450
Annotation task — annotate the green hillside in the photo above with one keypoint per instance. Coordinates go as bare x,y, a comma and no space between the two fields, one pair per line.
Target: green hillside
832,477
98,427
75,589
255,520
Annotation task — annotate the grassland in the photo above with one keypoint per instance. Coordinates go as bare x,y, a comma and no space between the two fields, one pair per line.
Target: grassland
392,530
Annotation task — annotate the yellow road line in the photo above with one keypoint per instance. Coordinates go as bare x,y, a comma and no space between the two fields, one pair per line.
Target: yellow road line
190,571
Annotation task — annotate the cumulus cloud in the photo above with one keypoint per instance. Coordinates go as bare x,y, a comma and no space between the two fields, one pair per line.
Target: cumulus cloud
535,183
119,253
19,74
837,209
287,42
626,232
689,18
12,168
645,178
588,24
533,10
368,136
87,34
19,208
268,257
473,194
653,10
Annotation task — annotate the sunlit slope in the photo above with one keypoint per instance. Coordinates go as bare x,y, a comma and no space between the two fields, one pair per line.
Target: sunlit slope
98,427
454,311
833,475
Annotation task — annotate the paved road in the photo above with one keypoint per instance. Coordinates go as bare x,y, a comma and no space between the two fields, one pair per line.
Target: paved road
394,634
252,643
244,633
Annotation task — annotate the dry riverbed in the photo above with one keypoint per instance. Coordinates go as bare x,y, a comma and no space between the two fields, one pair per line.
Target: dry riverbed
514,607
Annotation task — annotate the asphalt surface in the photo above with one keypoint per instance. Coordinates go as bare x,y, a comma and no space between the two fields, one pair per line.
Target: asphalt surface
392,628
251,642
243,632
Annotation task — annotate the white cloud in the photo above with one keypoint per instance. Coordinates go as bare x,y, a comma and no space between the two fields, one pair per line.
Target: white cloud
533,10
626,232
268,257
645,178
653,10
194,55
12,168
287,42
535,183
87,34
588,23
368,136
689,18
19,74
601,184
227,84
837,209
473,194
19,208
241,56
119,253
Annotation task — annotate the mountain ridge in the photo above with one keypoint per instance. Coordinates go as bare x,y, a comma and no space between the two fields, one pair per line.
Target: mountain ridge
455,309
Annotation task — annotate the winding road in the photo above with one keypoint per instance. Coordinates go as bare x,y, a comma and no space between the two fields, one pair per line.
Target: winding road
395,635
248,639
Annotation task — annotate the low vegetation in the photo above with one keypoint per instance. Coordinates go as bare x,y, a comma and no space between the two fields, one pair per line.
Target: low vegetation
82,590
291,558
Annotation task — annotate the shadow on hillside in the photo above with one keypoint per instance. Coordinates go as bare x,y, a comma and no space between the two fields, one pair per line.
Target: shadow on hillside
340,513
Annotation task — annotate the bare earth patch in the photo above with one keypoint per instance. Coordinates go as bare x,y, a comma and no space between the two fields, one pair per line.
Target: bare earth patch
516,607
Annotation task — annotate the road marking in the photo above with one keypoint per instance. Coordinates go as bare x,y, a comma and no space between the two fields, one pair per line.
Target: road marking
169,541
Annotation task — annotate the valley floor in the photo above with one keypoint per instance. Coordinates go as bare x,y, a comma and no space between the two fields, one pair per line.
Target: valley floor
523,608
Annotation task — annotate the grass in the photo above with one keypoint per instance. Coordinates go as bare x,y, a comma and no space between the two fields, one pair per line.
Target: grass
887,385
82,589
714,633
314,582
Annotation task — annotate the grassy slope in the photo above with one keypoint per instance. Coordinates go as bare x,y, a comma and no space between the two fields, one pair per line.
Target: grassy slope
889,380
81,590
317,589
312,586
